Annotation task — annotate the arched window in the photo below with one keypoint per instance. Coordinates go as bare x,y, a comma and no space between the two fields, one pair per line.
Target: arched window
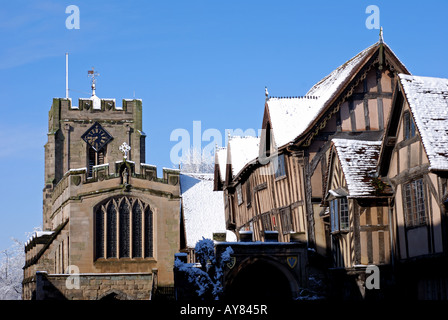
123,228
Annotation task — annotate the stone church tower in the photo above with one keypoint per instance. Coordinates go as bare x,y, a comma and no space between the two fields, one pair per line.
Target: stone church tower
111,226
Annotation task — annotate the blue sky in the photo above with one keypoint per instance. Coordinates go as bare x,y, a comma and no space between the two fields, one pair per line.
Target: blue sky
188,61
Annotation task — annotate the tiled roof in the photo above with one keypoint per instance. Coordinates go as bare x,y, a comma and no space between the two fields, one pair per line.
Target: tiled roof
428,101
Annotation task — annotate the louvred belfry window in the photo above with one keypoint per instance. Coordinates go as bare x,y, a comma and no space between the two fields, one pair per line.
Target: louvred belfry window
123,229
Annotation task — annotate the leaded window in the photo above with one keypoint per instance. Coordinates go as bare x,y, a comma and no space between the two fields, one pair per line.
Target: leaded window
339,215
414,203
137,241
111,230
124,214
123,228
266,221
285,215
239,194
280,170
409,126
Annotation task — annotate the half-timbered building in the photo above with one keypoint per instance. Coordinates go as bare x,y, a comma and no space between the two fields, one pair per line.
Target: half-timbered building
286,188
356,202
414,162
352,102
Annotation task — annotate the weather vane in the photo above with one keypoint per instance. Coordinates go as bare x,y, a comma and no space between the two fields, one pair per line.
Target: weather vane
124,148
93,75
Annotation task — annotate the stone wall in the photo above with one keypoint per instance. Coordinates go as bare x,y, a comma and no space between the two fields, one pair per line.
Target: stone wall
120,286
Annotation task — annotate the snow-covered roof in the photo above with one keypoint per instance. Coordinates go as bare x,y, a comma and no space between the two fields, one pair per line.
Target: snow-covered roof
328,86
242,150
428,101
221,161
202,207
38,234
359,161
290,117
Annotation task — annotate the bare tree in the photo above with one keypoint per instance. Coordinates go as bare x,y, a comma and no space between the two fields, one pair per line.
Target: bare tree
196,161
11,274
12,261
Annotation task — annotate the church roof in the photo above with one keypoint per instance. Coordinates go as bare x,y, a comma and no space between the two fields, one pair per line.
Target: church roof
428,101
203,208
359,160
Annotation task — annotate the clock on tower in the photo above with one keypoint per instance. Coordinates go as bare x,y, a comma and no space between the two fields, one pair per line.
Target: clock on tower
97,137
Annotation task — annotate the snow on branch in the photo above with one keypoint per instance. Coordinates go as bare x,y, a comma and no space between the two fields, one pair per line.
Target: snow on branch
205,277
195,161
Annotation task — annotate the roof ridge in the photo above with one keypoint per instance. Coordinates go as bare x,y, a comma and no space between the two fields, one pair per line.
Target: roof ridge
295,97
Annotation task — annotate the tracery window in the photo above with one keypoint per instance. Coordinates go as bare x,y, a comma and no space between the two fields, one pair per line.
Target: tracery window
123,229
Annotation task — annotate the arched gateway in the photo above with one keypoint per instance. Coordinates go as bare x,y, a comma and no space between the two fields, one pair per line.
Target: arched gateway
261,278
264,271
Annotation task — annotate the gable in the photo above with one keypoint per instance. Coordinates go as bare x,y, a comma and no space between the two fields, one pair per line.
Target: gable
295,119
220,168
428,101
344,97
335,184
240,152
358,160
425,99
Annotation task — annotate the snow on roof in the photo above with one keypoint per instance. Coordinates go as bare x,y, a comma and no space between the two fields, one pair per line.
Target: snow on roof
203,208
242,150
290,117
38,234
329,85
221,154
358,160
428,101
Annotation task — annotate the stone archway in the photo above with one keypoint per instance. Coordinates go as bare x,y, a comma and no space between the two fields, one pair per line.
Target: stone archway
260,280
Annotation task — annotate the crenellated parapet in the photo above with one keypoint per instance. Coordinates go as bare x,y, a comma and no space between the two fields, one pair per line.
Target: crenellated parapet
95,104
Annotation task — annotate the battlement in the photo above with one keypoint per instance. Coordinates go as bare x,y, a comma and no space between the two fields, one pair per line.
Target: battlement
95,104
74,179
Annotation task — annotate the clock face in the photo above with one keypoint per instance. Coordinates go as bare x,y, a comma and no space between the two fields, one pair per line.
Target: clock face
97,137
